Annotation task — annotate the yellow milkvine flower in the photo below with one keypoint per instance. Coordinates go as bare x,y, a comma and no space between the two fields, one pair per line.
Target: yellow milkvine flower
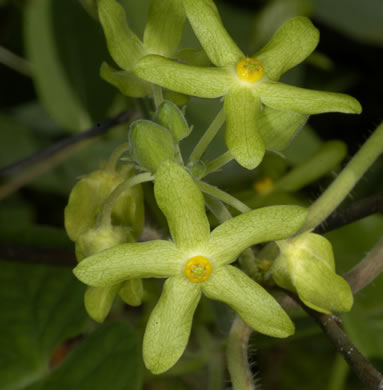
261,112
196,261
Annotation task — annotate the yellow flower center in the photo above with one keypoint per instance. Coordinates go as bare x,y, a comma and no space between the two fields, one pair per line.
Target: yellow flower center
250,70
197,269
263,186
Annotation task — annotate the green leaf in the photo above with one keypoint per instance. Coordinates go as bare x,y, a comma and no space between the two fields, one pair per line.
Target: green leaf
123,45
65,62
251,301
187,79
164,28
290,45
183,204
168,329
109,358
207,25
41,307
306,101
242,132
229,239
130,261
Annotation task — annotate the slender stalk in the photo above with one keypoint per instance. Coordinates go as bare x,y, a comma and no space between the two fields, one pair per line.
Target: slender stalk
115,156
219,162
157,95
346,180
205,140
223,196
124,186
217,208
236,356
15,62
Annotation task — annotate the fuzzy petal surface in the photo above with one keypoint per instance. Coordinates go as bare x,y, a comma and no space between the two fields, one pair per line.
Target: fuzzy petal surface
165,25
207,25
229,239
190,80
290,45
242,135
251,301
306,101
130,261
168,329
183,204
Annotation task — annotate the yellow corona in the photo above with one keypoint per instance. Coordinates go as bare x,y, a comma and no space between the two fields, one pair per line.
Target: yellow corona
250,70
197,269
263,186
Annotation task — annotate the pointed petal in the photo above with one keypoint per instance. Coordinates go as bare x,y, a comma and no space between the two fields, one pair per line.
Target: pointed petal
164,28
207,25
130,261
290,45
126,81
251,301
190,80
242,134
278,128
306,101
168,329
232,237
123,45
183,204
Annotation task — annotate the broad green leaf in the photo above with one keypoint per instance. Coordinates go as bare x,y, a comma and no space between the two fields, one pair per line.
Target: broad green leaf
65,62
41,307
183,204
242,135
251,301
290,45
109,358
168,329
190,80
207,25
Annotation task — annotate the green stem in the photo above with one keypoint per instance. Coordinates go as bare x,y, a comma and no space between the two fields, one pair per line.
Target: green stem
15,62
106,217
115,157
217,208
236,356
222,195
219,162
157,95
205,140
346,180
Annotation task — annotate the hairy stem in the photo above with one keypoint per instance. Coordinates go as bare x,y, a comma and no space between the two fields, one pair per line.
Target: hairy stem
219,162
115,156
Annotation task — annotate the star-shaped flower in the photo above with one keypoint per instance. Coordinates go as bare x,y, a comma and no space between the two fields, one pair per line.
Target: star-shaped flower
261,113
195,261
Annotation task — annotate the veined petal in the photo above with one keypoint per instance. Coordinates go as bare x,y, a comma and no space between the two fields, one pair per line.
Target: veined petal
207,25
306,101
168,329
251,301
183,204
165,25
130,261
242,134
190,80
277,127
290,45
123,45
232,237
126,81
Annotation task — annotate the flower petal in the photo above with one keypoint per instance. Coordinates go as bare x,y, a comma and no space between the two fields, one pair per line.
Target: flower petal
277,127
242,134
207,25
251,301
130,261
165,25
168,329
232,237
290,45
123,45
190,80
183,204
306,101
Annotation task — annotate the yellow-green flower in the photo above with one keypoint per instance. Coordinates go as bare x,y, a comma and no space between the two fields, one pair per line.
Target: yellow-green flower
261,113
195,262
